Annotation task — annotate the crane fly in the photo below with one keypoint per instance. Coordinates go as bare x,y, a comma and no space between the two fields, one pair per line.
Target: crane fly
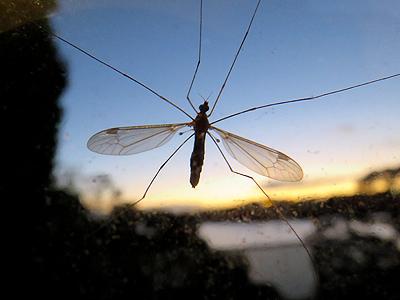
135,139
256,157
259,158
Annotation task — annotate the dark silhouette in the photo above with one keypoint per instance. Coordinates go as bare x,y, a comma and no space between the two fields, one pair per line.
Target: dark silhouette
388,178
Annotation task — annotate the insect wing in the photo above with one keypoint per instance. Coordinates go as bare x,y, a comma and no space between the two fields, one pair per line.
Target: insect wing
259,158
132,139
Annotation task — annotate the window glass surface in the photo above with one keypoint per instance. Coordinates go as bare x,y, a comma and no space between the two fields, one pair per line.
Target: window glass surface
298,200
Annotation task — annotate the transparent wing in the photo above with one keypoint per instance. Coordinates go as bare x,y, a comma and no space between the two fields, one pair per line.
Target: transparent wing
259,158
132,139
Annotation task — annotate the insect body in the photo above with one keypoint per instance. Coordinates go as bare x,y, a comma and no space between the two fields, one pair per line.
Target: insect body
200,125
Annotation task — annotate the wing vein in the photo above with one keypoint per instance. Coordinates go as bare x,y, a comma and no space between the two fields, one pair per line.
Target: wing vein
133,139
145,138
260,158
248,154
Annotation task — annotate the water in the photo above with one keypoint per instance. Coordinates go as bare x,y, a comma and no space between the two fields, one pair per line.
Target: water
274,254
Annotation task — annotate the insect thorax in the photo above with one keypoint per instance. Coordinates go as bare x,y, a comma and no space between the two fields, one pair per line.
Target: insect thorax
201,123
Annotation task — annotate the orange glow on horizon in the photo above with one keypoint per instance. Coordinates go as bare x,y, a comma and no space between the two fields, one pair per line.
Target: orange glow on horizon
231,192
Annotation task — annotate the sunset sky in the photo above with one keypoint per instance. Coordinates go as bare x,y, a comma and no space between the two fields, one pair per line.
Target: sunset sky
295,49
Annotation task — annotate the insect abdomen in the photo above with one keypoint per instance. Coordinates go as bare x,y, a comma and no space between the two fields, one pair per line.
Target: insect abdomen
197,158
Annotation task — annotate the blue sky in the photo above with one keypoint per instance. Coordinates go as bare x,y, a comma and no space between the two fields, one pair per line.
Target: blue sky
295,49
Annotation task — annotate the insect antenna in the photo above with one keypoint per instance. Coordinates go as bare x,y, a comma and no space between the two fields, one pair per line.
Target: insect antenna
307,98
87,53
199,57
234,60
125,208
277,210
205,99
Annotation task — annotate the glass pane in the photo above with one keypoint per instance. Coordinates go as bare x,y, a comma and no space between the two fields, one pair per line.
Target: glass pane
317,218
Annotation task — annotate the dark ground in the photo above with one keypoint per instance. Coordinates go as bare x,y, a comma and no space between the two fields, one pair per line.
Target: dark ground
80,256
70,254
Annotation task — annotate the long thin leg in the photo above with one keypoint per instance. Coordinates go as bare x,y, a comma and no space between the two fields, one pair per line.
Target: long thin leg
114,69
269,200
236,56
307,98
159,170
199,57
130,205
